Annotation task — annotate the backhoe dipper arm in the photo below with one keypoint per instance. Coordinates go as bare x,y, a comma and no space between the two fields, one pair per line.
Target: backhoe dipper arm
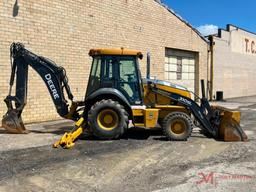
54,77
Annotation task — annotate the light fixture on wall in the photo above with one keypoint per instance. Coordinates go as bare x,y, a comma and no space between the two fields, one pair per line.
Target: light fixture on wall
15,10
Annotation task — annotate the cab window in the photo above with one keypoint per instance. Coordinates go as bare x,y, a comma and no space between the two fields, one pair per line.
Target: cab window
94,80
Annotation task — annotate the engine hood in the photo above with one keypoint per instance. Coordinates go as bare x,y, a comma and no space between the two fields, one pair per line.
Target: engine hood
165,83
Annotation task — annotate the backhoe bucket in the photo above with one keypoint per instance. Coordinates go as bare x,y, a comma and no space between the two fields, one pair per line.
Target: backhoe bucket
13,123
230,129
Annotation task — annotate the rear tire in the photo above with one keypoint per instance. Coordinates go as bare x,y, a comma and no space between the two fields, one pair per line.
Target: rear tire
108,119
177,126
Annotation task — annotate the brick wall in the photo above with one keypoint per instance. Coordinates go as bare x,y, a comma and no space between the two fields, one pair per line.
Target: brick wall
65,30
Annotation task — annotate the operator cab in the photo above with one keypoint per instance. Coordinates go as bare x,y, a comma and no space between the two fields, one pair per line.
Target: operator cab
116,68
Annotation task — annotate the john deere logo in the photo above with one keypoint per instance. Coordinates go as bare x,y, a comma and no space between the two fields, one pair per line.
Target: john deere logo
151,115
51,85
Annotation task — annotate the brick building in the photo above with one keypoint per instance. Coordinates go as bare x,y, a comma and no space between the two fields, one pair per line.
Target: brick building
65,30
234,70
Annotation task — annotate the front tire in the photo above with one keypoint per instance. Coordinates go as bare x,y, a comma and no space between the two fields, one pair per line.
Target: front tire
108,119
177,126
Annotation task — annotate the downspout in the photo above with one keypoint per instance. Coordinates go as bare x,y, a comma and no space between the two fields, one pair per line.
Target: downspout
211,67
208,72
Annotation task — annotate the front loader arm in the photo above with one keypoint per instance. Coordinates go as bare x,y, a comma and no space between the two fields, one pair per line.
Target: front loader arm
197,111
218,122
54,77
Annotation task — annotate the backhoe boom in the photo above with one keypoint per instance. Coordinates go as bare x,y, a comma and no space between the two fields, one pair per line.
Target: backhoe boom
54,77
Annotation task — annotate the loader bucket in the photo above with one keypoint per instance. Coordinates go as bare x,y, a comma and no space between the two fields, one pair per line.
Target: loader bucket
13,123
230,129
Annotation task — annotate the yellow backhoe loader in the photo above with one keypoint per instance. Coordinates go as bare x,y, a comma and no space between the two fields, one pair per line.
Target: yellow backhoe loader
117,94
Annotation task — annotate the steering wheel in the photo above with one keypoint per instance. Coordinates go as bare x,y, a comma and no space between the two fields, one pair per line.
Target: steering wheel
122,80
130,77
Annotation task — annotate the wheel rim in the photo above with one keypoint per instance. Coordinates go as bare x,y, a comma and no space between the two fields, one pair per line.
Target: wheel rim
107,119
178,127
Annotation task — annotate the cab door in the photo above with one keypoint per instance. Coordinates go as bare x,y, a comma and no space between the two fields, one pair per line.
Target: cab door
128,79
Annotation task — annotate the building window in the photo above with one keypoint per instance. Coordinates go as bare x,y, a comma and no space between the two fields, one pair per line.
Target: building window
179,68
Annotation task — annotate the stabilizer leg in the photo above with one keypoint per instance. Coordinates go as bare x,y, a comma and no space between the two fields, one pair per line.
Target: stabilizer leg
67,140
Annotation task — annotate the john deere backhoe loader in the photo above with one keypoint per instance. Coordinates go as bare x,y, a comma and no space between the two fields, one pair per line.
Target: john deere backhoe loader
115,94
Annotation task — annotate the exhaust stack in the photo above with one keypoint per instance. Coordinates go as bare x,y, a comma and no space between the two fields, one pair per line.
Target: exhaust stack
148,65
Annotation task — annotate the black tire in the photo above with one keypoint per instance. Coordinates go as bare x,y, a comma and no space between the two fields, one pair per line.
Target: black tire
177,126
101,126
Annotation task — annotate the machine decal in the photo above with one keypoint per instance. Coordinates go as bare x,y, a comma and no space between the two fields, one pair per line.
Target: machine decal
51,85
151,115
185,101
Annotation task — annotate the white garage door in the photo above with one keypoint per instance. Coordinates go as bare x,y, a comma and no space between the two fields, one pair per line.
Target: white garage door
180,70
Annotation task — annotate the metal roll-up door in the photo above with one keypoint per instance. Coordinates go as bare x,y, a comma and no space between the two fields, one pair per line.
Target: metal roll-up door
180,68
